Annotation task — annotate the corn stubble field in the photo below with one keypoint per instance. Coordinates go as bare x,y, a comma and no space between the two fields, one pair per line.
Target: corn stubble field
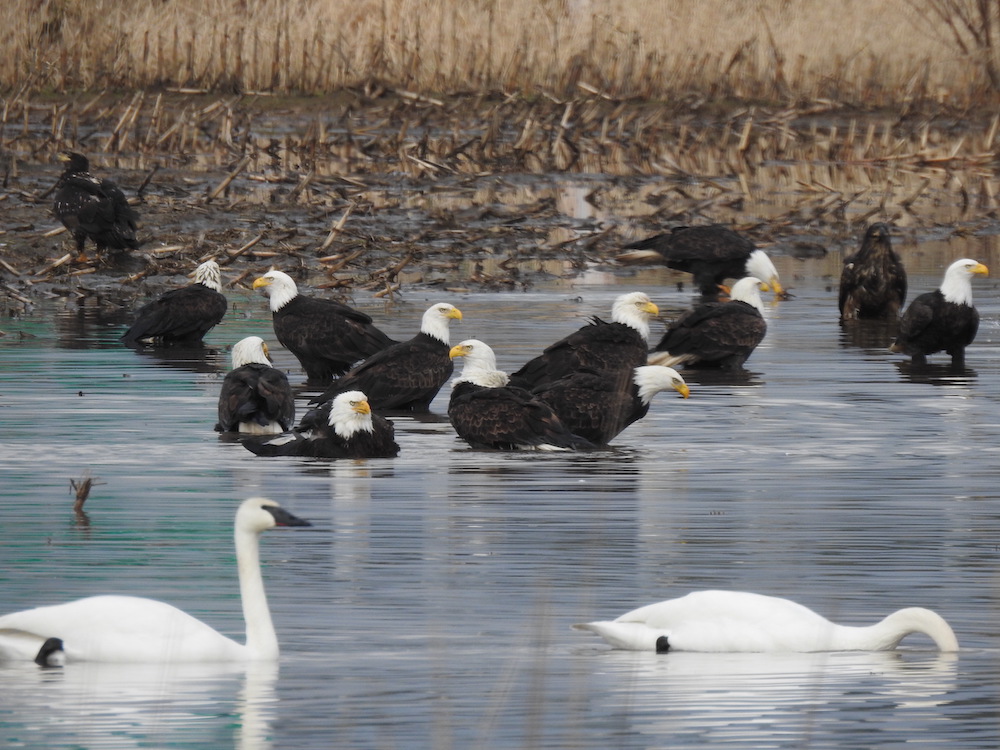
851,51
319,133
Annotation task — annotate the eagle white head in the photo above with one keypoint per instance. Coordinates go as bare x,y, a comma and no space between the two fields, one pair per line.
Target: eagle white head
635,310
957,284
436,319
350,413
480,364
748,290
250,351
279,287
209,274
651,379
760,265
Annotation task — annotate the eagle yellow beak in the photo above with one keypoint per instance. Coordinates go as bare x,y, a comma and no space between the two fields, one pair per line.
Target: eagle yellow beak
362,407
764,287
683,389
267,353
776,286
261,281
62,157
459,351
454,313
981,270
650,309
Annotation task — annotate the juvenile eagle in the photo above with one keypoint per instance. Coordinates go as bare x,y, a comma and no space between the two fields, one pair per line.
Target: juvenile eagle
93,209
873,280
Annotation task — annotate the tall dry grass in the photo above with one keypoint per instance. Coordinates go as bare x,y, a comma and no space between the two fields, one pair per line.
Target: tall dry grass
853,51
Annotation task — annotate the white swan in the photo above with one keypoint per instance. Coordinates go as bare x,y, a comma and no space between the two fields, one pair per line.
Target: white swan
738,621
134,629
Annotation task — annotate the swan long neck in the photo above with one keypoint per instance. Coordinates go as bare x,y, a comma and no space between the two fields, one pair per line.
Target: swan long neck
262,641
886,635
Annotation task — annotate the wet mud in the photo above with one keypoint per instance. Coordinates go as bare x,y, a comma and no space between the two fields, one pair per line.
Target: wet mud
372,195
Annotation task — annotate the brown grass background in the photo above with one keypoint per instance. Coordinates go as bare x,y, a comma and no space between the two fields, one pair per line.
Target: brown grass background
852,51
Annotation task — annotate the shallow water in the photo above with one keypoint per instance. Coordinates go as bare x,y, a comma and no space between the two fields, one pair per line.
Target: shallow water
430,605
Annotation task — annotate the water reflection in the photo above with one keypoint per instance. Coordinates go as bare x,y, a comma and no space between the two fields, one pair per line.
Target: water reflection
135,706
83,326
872,336
198,358
743,698
432,605
936,374
715,376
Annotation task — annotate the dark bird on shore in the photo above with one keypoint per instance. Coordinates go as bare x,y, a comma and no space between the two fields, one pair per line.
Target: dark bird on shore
93,209
256,398
711,254
408,375
181,316
716,334
327,338
942,320
488,414
873,280
599,346
342,428
599,405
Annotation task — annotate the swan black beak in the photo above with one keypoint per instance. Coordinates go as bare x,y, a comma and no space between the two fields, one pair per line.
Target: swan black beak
283,518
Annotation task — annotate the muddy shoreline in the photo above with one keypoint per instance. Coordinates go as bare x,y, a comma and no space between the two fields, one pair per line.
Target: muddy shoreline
373,195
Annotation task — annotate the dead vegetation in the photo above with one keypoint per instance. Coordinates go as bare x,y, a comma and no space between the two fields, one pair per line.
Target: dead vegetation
384,188
699,51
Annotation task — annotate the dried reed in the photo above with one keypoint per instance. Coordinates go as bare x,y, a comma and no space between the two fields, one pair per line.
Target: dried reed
856,52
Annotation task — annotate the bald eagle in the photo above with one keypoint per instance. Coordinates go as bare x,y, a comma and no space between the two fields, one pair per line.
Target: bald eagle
182,315
873,281
327,338
942,320
405,376
255,398
92,208
711,254
716,334
599,346
488,414
342,428
599,405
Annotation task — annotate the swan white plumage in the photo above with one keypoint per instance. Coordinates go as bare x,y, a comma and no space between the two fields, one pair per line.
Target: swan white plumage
135,629
739,621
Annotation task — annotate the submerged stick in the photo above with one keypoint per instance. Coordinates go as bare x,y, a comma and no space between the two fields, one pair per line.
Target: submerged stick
82,488
337,227
244,162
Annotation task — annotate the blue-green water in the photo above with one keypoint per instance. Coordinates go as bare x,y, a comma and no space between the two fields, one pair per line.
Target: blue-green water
431,603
